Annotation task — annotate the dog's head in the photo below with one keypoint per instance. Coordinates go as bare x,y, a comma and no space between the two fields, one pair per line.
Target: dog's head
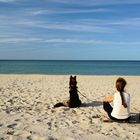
73,82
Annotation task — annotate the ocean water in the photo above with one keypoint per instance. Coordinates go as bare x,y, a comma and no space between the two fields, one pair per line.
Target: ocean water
70,67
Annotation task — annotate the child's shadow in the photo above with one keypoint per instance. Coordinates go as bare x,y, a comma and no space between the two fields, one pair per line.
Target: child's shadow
135,118
92,104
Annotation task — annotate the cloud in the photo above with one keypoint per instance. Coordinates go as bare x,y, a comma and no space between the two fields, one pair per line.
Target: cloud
97,2
120,22
20,26
19,40
129,21
63,41
7,1
67,11
88,25
77,25
80,27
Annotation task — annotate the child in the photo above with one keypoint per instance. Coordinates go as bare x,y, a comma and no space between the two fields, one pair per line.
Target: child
121,101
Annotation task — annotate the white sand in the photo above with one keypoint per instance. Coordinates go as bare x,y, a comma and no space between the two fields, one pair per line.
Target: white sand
27,113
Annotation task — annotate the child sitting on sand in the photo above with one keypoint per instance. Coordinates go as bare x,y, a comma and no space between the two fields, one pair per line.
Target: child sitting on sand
121,103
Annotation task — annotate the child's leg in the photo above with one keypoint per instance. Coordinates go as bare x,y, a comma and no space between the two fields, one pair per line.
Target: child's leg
108,108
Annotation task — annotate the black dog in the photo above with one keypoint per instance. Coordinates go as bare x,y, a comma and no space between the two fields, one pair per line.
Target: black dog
74,100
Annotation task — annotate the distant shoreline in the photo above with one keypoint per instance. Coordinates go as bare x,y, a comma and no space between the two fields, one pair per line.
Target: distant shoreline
68,60
36,74
68,75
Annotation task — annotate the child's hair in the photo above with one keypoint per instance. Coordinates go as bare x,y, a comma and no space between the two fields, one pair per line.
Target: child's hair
120,85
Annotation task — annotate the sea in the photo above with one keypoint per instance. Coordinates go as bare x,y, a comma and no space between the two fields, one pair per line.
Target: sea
68,67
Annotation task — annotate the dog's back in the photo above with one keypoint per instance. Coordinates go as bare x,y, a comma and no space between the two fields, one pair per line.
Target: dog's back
74,98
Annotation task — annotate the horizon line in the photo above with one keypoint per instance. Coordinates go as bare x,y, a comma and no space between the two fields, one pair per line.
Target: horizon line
64,60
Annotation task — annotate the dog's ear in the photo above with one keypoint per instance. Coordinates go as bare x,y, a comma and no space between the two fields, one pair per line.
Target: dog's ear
71,77
75,77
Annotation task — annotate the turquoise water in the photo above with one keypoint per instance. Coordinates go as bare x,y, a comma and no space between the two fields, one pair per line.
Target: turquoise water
70,67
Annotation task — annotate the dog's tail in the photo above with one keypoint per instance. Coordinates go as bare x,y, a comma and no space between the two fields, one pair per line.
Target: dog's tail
59,104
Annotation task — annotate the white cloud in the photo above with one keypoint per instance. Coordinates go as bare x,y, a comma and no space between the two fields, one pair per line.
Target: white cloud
7,1
67,26
130,21
19,40
88,25
77,25
63,41
67,11
125,21
97,2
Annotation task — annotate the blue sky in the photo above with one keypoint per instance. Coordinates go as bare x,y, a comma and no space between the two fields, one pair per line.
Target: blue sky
70,29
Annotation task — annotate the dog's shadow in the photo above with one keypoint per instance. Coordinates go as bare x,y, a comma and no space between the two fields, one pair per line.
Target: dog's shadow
92,104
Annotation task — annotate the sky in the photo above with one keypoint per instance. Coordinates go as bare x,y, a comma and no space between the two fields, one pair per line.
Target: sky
70,29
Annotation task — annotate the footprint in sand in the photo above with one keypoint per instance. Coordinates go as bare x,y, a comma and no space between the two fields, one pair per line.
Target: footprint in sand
12,125
1,125
10,132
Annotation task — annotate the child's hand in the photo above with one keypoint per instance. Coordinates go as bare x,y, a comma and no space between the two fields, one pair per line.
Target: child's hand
108,99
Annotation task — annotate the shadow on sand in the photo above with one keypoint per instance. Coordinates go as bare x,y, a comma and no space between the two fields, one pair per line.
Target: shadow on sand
135,118
92,104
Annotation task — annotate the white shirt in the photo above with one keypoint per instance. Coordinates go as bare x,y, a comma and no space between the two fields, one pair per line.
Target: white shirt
119,111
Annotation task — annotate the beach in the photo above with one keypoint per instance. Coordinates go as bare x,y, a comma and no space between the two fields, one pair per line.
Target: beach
27,113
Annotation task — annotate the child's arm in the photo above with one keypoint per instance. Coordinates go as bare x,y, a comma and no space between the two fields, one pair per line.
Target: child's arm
108,99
